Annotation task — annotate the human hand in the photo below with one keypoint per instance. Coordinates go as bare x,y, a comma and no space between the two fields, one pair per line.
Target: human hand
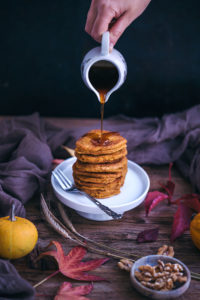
112,15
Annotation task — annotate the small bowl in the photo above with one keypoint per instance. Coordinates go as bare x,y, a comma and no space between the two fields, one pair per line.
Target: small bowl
152,260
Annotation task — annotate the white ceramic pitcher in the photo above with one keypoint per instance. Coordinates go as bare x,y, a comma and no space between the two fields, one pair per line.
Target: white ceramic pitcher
102,53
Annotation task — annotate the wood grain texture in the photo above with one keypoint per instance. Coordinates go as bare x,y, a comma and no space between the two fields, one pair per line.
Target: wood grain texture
119,234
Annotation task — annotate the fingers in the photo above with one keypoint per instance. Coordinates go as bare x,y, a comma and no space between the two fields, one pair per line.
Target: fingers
102,13
101,23
98,20
91,16
119,27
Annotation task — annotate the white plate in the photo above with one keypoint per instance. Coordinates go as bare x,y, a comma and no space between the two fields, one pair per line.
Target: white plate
133,193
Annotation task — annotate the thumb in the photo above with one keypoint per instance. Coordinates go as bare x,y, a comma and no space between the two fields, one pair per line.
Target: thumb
118,28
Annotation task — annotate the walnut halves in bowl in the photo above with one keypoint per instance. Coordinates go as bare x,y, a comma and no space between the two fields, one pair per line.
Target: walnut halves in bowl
160,277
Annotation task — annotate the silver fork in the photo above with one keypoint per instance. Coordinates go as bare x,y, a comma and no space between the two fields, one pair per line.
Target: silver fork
68,186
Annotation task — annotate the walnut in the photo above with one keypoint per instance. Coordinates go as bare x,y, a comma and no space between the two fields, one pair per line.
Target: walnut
125,264
177,268
169,284
167,268
161,277
159,284
174,277
161,265
182,279
147,274
146,268
166,250
139,275
142,277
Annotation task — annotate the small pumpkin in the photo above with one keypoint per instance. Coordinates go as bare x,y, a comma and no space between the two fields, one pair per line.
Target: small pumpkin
195,230
18,236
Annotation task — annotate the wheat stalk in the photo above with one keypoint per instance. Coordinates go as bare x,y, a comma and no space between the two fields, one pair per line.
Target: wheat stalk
69,150
64,231
52,220
71,227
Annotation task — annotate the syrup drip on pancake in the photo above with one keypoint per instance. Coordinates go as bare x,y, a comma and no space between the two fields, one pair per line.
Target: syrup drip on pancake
101,139
103,76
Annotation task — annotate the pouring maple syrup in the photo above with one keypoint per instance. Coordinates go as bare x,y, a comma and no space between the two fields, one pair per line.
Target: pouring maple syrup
103,75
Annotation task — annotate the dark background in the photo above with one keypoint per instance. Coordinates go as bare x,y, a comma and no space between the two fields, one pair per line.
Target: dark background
42,44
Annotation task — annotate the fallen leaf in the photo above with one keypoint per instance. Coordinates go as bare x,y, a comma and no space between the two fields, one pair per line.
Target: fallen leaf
169,186
71,265
190,200
181,221
149,235
153,199
186,205
66,291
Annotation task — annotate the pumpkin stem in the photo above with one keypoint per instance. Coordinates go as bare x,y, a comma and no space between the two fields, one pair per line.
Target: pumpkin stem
12,214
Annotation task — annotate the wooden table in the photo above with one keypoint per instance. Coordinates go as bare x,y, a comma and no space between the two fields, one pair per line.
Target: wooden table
119,234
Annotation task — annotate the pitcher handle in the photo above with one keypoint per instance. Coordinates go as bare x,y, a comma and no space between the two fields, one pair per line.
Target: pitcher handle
105,43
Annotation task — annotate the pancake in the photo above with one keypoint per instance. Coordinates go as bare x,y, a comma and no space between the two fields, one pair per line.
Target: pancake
101,164
96,179
92,144
104,167
102,194
101,175
101,186
112,157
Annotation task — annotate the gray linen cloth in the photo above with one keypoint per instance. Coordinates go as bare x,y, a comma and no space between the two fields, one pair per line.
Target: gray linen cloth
12,285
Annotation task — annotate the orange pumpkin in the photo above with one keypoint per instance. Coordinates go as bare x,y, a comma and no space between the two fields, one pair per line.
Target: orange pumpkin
195,230
18,236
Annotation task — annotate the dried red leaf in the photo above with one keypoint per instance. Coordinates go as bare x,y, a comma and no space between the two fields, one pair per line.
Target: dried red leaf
149,235
169,186
71,265
186,205
181,221
190,200
66,291
153,199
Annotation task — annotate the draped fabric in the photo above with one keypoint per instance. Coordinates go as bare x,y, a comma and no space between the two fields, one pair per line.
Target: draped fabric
12,286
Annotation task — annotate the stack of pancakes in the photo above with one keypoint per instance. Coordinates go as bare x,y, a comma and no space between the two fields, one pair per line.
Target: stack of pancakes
101,164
